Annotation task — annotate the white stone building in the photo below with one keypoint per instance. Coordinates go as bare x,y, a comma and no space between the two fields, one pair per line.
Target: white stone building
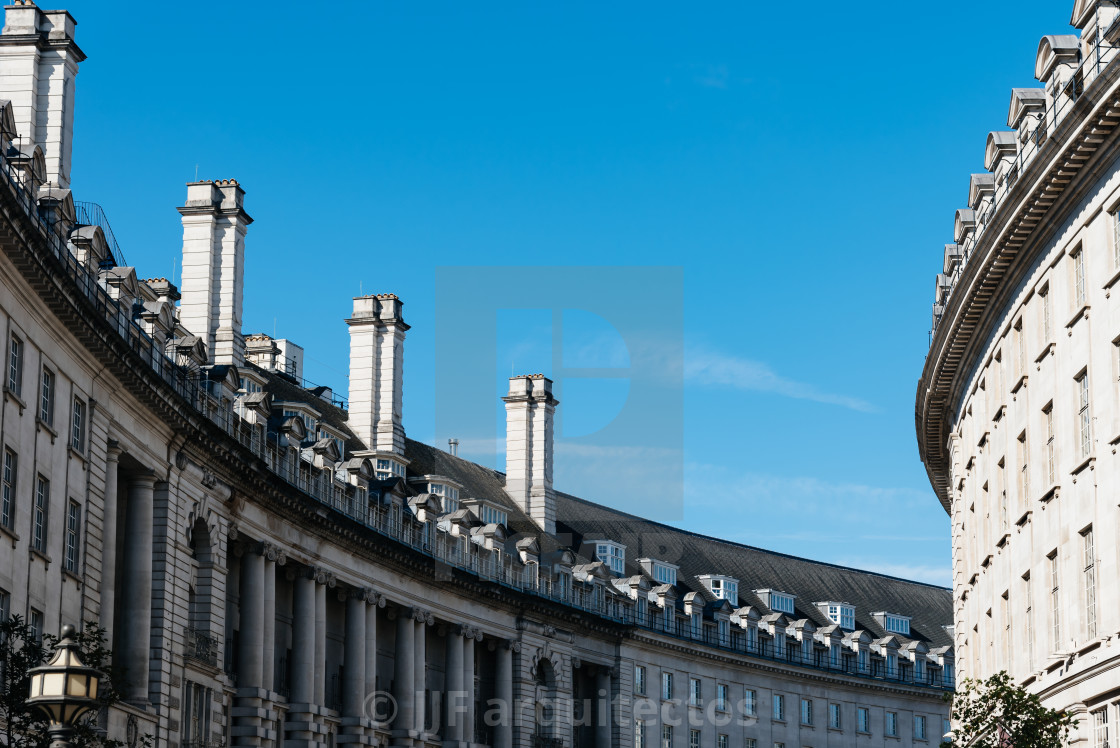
1018,407
278,567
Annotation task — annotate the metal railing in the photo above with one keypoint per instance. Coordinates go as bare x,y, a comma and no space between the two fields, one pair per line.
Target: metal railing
321,485
91,214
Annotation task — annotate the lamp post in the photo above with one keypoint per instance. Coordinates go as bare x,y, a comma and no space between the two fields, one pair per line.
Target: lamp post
64,689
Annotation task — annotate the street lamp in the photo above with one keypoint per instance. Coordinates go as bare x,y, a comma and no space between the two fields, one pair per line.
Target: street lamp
64,689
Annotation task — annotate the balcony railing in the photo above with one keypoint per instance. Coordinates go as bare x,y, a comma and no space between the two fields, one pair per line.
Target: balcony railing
543,741
202,647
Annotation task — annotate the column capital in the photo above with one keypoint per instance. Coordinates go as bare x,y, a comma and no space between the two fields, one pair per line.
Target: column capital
323,576
273,552
113,450
146,478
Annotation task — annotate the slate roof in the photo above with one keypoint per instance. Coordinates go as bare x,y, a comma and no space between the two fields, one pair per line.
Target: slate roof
929,606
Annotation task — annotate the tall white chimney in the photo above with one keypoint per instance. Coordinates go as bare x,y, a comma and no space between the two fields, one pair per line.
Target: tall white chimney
213,283
377,332
39,61
530,409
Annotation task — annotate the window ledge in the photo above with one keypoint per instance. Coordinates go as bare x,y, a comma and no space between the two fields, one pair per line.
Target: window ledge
1047,350
77,453
77,580
1111,282
1002,542
1050,494
1088,462
37,553
1082,313
15,399
836,729
47,427
1019,383
12,534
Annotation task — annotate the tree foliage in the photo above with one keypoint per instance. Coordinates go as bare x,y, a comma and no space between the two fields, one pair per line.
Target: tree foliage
995,713
20,651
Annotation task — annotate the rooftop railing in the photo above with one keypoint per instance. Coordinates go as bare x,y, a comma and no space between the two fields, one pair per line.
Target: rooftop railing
383,519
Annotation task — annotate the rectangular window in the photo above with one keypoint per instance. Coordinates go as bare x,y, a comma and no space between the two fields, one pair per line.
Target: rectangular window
693,739
196,715
1116,239
666,686
73,532
779,707
749,703
891,726
8,490
1028,619
1024,477
639,734
1001,481
1084,418
640,680
919,727
1100,728
1005,615
78,428
15,365
834,716
1047,319
1079,278
806,711
666,736
750,743
863,717
721,697
39,514
1051,475
721,741
1090,584
694,692
46,400
1020,349
35,622
1055,603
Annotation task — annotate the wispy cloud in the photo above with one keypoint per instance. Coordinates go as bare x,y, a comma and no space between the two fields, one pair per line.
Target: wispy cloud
715,369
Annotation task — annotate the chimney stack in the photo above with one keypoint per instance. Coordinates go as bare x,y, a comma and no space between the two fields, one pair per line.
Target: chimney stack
530,409
40,61
213,283
453,447
377,372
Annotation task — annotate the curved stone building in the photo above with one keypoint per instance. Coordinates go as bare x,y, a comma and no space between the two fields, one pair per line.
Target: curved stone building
1018,415
279,566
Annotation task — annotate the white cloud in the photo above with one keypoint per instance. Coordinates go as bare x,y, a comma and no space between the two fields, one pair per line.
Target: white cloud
712,368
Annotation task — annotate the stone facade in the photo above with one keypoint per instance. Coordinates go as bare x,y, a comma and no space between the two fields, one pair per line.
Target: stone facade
1018,411
276,569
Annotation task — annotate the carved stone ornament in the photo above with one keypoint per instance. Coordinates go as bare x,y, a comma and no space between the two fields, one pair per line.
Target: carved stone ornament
209,480
549,631
181,460
132,731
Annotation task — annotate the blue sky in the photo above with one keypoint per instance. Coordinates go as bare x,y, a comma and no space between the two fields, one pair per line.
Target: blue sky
800,164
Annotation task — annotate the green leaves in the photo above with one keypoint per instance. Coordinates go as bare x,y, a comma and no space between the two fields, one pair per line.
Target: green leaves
995,713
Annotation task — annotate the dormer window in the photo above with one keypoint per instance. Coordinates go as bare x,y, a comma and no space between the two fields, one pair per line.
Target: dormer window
308,421
491,515
449,496
611,554
842,614
894,623
665,573
722,588
779,602
387,468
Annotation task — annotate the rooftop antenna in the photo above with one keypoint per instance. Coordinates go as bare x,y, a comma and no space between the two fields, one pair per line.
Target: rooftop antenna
453,447
196,172
174,264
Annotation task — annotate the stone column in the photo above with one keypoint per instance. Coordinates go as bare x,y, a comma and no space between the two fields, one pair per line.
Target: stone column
273,557
503,692
468,685
303,639
376,601
250,660
453,732
109,539
603,722
353,686
320,639
404,681
136,603
420,650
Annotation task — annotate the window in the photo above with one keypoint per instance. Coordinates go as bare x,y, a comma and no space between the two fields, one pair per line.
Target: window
1048,412
721,697
779,602
863,719
806,711
613,555
891,726
492,516
694,692
862,656
693,739
1090,584
834,716
35,621
897,624
196,716
724,588
666,686
15,365
1020,349
640,679
449,496
1028,620
8,490
1079,278
78,430
73,532
1001,478
1055,601
664,574
1047,320
842,614
749,702
383,468
919,727
779,707
39,514
721,741
1083,416
1024,476
1005,615
1100,728
639,734
46,406
666,736
750,743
